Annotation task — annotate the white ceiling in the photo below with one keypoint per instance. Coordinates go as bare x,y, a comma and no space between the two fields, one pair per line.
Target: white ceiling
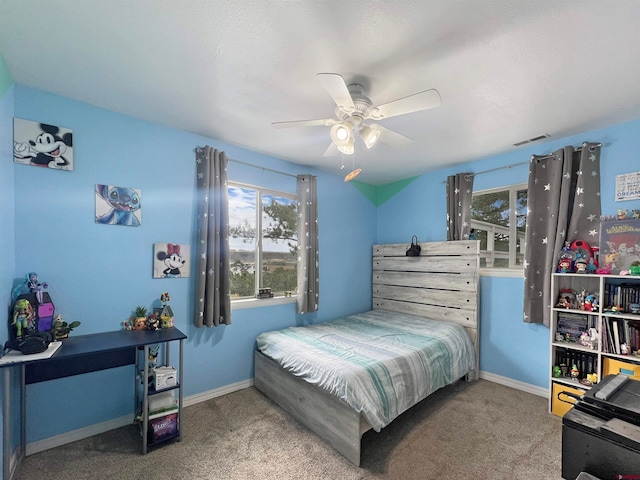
507,70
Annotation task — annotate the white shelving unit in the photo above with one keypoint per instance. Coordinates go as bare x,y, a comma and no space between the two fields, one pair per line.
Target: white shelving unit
604,362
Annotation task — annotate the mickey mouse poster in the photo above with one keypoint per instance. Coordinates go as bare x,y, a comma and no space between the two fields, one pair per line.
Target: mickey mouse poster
42,145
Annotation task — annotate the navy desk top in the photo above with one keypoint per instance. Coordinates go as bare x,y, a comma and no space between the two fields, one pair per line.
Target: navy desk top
97,351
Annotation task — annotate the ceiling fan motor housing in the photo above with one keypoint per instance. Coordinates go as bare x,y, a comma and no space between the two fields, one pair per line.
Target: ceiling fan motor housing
363,106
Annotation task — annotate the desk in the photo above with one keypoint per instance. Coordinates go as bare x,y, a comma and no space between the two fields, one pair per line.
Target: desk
80,354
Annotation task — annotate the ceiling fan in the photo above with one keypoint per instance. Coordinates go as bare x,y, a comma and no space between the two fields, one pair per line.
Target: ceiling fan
353,111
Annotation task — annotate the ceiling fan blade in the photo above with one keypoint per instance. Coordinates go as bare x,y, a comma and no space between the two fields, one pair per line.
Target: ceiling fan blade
305,123
336,87
393,139
413,103
332,151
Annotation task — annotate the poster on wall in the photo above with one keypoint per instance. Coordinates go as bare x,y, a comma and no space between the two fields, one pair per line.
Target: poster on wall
619,244
171,260
628,186
118,205
42,145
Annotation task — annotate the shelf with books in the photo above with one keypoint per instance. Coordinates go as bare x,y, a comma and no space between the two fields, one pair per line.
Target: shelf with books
594,324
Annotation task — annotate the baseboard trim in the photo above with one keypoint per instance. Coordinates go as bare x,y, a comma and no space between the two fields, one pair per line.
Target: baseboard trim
79,434
510,382
217,392
91,430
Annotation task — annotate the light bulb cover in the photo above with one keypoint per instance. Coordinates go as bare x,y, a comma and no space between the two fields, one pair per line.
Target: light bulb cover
370,135
341,134
348,148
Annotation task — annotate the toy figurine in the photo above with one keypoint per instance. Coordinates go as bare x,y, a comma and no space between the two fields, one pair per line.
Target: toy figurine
35,286
153,322
557,373
575,373
23,317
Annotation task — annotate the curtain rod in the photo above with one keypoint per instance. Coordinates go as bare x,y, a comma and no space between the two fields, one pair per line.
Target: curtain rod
516,164
262,168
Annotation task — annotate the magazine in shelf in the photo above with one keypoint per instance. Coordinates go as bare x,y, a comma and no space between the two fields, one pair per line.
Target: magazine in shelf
619,243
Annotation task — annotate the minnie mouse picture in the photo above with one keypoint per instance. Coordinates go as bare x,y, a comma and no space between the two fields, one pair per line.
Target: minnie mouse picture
171,260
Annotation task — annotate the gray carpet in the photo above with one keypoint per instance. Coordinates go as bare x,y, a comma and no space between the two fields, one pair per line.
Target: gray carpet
478,430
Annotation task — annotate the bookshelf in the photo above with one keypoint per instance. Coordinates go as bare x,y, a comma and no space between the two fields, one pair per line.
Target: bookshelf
601,305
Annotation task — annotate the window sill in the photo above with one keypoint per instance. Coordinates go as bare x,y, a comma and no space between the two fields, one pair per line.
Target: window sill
260,302
502,272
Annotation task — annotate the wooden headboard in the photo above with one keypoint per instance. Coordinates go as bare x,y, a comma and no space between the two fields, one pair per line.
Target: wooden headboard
441,284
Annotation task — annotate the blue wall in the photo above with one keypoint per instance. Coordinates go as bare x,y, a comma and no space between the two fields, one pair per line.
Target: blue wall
508,346
7,220
97,274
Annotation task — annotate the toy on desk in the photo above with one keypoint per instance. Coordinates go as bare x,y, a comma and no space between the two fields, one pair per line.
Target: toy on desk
153,322
166,315
23,317
574,372
61,329
35,286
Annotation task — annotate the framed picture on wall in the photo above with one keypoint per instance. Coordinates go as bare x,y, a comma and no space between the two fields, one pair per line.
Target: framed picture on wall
118,205
619,243
42,145
171,260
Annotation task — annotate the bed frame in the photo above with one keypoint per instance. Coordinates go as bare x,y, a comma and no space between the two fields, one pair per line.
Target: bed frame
441,284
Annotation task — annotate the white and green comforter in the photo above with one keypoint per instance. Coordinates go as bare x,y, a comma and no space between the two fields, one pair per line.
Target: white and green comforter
380,363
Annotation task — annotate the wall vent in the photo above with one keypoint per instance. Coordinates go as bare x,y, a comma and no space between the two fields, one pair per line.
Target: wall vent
534,139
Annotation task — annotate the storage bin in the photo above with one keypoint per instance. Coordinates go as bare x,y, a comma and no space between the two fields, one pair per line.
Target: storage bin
611,366
163,427
164,377
558,407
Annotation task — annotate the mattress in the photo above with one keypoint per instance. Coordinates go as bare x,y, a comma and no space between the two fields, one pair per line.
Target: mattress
380,363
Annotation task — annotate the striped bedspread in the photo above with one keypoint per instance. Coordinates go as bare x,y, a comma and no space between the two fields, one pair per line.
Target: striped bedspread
380,363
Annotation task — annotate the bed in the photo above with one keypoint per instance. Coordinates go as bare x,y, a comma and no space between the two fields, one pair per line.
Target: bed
343,377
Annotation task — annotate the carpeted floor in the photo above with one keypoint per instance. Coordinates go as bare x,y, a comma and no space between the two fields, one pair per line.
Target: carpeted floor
478,430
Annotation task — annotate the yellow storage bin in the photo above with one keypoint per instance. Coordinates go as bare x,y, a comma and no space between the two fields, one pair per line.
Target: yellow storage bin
559,407
611,366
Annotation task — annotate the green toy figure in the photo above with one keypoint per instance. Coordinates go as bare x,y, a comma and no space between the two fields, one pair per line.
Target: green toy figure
23,316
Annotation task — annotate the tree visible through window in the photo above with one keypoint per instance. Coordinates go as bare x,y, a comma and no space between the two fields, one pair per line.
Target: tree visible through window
268,259
498,221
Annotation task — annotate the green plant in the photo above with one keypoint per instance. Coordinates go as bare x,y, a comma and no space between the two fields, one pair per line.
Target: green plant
61,329
635,263
140,312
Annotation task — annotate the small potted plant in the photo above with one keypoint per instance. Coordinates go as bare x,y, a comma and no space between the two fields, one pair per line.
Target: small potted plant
634,268
140,318
61,329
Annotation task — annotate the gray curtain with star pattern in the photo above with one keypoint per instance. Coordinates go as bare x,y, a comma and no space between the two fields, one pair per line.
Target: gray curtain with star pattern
308,294
212,301
459,196
563,205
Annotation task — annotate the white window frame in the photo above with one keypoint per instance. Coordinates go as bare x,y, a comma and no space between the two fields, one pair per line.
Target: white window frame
242,303
515,270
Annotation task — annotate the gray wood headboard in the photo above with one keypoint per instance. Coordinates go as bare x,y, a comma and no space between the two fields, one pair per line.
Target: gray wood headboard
441,284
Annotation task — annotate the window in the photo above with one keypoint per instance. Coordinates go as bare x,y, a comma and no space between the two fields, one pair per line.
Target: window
498,220
263,245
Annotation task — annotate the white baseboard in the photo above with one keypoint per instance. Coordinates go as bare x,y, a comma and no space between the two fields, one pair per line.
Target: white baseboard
510,382
79,434
91,430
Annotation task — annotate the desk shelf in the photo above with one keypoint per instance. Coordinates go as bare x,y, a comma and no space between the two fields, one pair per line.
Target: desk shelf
169,419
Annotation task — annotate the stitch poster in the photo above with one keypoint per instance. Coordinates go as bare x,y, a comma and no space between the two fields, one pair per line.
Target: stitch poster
118,205
42,145
171,260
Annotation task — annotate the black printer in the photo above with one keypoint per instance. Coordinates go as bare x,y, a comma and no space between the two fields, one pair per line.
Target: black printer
601,433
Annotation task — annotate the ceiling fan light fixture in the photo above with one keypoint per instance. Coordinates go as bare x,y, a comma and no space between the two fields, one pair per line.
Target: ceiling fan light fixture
347,149
341,134
370,135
